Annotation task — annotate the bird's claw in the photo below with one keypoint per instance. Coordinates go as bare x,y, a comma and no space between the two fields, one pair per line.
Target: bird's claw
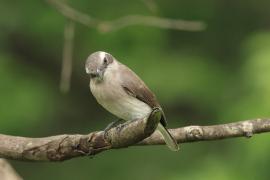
114,124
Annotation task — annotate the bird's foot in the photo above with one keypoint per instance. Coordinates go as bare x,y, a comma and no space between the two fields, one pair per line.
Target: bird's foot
114,124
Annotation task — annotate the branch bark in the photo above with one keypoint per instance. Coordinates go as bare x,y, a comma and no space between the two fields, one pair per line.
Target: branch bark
63,147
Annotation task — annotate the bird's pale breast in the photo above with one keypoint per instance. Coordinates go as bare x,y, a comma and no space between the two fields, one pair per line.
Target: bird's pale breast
110,94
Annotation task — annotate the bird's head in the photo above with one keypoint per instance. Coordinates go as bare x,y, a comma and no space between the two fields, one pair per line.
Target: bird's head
97,63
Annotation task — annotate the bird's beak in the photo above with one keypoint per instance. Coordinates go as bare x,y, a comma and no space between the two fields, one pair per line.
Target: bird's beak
94,74
90,72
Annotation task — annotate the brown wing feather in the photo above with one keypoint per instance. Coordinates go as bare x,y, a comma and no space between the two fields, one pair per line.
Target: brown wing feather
135,87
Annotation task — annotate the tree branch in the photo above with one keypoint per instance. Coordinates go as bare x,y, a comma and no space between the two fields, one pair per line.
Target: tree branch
63,147
122,22
215,132
73,14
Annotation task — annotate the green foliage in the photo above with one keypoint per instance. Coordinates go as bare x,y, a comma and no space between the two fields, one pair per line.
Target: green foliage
25,98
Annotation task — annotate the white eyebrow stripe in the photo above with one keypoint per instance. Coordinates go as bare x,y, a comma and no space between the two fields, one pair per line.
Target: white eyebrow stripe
102,55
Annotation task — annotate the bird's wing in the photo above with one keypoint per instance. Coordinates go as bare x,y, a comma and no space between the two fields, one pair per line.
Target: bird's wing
135,87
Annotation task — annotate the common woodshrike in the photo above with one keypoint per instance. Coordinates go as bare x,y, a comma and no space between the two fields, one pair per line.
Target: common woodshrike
120,91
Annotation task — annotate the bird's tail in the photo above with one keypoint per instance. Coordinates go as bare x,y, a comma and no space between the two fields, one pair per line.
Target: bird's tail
169,140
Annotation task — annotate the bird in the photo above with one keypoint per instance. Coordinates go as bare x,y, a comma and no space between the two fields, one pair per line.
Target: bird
123,93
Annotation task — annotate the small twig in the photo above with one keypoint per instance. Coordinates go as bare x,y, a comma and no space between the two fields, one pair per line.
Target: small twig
67,56
72,14
164,23
62,147
122,22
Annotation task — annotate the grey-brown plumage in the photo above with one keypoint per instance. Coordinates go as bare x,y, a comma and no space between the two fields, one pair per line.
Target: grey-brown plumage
135,87
119,90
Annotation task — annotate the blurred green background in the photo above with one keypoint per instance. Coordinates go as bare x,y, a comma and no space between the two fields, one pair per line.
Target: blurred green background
218,75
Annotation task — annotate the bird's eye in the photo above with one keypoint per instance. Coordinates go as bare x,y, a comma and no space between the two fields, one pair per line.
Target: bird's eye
105,60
